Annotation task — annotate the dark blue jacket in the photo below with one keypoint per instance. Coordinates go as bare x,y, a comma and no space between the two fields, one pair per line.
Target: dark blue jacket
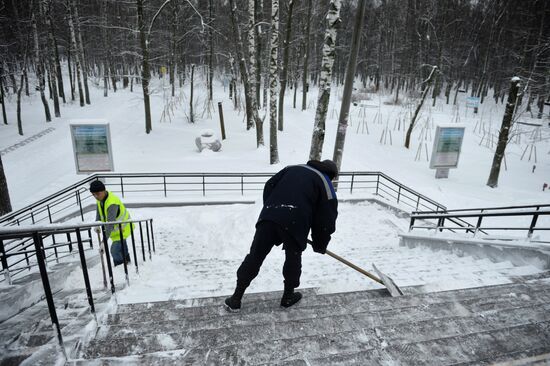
301,198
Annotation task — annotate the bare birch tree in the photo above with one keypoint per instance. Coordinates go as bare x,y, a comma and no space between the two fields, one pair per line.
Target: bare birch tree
348,86
513,95
284,73
80,50
5,203
252,56
273,83
306,56
39,69
427,84
329,45
250,100
76,55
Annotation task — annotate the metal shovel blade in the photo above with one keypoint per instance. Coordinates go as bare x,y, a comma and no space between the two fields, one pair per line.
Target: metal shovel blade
388,282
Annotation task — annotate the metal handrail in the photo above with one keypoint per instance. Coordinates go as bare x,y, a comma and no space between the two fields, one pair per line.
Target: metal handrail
73,196
458,215
487,209
39,233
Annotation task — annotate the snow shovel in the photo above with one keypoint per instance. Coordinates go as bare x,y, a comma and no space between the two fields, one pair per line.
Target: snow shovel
101,251
382,279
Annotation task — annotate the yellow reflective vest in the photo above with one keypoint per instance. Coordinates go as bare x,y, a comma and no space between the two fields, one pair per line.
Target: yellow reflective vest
123,215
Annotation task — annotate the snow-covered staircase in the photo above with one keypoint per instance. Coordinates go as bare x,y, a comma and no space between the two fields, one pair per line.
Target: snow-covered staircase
481,325
29,335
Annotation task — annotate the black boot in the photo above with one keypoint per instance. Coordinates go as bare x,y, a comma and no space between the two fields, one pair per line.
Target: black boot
233,302
290,298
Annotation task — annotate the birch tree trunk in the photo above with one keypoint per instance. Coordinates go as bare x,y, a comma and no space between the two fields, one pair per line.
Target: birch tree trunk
52,69
306,55
19,120
5,203
427,84
210,49
145,72
252,56
273,85
191,85
103,10
80,50
76,59
348,87
329,45
513,96
284,74
250,100
4,115
40,70
69,42
55,50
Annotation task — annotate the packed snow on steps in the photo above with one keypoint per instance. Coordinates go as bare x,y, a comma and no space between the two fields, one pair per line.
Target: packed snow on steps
199,248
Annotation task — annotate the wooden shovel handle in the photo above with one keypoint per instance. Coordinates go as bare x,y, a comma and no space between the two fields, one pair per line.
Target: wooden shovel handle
349,264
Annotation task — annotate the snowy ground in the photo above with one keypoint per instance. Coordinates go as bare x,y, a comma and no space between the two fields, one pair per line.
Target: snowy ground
192,260
45,164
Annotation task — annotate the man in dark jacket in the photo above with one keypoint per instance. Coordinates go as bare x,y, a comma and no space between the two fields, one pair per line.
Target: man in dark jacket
297,199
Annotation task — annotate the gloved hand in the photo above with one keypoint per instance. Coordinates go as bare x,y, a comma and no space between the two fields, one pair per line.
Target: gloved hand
318,249
97,229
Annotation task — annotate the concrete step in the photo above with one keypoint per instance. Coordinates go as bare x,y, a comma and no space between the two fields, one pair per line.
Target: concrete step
369,317
264,326
317,305
465,348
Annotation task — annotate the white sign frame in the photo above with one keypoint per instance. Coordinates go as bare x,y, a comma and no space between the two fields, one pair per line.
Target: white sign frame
452,162
74,125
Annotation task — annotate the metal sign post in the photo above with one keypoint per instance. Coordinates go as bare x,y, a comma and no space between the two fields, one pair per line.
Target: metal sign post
446,150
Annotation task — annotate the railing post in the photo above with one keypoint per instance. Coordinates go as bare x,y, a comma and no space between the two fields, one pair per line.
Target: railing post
417,203
70,242
141,237
242,185
440,223
478,224
377,183
32,218
55,248
148,241
203,186
4,261
411,223
124,248
50,215
108,257
153,237
398,194
85,271
351,186
90,237
47,289
532,226
80,204
134,248
164,184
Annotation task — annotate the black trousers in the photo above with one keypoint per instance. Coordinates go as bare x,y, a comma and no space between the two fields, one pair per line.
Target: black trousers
267,235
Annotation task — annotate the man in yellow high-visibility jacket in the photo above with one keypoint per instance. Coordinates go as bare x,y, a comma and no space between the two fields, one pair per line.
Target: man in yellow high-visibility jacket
109,209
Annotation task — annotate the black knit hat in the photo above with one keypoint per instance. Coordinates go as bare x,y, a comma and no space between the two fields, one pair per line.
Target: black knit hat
326,166
97,186
331,167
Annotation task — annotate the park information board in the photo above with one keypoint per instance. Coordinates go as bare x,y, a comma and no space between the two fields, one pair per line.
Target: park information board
92,146
446,150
